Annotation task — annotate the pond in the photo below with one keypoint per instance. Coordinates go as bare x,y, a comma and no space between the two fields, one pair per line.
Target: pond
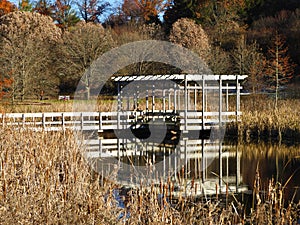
203,167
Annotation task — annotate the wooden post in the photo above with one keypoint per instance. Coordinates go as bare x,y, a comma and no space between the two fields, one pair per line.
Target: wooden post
63,121
220,103
153,99
227,100
195,98
175,163
169,100
100,147
175,99
203,103
185,102
137,97
147,100
118,120
43,121
164,101
188,98
23,119
81,121
238,168
119,156
119,97
178,101
237,98
221,166
185,158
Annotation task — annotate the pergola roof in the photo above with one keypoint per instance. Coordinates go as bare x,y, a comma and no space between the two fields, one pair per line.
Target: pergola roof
189,77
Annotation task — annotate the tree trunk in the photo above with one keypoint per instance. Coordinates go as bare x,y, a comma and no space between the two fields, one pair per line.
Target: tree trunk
277,77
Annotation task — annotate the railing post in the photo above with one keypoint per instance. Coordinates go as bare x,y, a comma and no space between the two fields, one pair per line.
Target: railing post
220,130
169,99
43,121
237,98
227,100
175,104
220,166
100,122
23,119
185,102
220,102
164,101
81,121
203,103
147,100
63,121
195,98
153,99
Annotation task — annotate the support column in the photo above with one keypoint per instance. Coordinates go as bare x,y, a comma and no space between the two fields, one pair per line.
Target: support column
227,100
203,103
153,99
175,98
237,98
164,101
238,168
185,103
220,103
195,98
220,130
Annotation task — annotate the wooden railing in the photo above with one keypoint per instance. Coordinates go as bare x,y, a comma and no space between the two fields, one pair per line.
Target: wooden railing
101,121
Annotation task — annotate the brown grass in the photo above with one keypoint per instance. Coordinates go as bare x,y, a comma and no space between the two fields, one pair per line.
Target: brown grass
261,121
45,180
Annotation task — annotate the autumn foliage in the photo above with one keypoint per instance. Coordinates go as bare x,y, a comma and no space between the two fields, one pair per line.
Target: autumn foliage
5,85
143,9
6,7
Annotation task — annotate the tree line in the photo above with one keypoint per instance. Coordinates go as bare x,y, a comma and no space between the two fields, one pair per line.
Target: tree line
46,46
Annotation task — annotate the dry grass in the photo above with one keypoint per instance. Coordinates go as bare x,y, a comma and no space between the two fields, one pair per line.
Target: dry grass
261,121
45,180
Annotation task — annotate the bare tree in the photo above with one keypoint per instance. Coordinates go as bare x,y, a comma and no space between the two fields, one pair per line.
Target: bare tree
92,10
81,46
249,60
280,68
27,39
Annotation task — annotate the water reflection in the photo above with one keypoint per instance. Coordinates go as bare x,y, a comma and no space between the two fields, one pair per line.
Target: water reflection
190,162
278,162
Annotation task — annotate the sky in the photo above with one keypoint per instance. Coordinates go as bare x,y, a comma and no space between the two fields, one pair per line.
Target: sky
114,5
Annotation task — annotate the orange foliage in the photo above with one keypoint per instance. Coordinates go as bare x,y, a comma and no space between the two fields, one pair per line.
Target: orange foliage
279,61
6,7
5,84
144,8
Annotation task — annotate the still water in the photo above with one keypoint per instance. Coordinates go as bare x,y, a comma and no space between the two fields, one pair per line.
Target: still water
278,162
211,165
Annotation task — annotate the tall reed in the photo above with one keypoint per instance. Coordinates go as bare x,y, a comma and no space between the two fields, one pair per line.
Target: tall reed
44,179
